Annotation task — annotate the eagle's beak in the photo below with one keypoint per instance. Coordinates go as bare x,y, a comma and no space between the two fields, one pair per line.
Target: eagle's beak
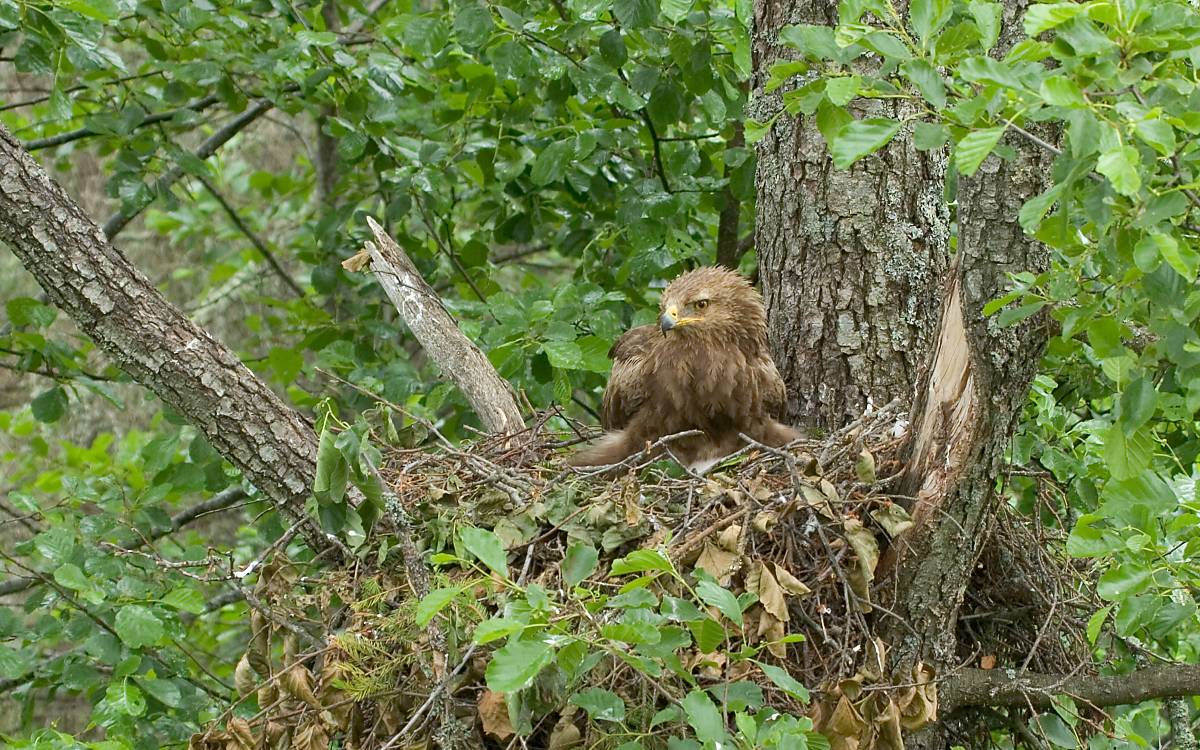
668,320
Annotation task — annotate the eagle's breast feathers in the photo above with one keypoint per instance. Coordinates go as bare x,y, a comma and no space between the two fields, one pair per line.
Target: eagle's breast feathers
705,367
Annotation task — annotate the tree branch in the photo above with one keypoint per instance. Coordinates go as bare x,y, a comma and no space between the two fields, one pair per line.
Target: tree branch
259,245
147,337
489,395
1003,687
121,218
729,250
219,501
74,135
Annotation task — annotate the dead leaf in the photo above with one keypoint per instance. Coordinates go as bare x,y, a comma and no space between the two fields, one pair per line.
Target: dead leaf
765,521
772,631
240,732
243,676
728,539
770,595
717,562
357,262
893,518
311,737
790,583
866,549
565,734
297,682
988,661
864,467
493,714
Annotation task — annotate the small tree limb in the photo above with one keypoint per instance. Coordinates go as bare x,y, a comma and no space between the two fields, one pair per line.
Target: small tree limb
489,395
1004,687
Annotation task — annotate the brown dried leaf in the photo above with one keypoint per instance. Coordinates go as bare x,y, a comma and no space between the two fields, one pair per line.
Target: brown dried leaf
493,714
790,583
894,519
297,682
922,709
987,661
357,262
240,733
887,727
311,737
717,562
258,651
267,694
866,549
765,521
243,676
728,540
565,734
770,595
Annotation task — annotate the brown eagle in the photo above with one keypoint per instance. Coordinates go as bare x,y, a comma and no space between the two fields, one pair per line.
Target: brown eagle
705,366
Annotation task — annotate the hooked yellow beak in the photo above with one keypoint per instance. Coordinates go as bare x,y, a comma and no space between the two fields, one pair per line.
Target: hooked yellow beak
668,319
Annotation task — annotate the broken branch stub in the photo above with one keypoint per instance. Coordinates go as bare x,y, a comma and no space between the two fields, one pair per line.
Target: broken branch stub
490,396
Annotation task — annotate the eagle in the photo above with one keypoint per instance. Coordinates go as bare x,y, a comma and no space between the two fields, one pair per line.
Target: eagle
705,366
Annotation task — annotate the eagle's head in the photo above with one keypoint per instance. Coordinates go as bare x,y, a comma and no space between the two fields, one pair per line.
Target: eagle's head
712,303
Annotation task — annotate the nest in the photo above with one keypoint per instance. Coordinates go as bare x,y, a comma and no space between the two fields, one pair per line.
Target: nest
799,532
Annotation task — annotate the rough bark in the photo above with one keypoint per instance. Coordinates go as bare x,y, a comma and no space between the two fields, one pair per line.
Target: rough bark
146,336
851,261
729,250
1003,687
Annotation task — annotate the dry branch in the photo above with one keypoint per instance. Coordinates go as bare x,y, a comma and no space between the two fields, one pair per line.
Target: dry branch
489,395
1004,687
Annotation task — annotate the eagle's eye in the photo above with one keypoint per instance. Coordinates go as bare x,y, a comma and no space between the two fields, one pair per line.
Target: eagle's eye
701,304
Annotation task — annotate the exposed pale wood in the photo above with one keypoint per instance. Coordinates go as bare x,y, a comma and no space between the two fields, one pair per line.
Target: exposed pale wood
490,396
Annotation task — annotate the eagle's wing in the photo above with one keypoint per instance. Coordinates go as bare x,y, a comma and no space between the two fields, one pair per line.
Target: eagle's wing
774,392
626,391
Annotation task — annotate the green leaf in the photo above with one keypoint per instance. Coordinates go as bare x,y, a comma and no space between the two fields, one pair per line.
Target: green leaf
486,546
927,80
433,602
930,135
579,562
1179,256
137,626
860,138
612,48
496,628
1127,456
186,600
676,10
1060,91
1158,133
641,560
165,692
722,599
1120,165
987,18
551,164
565,355
1138,403
1121,581
928,16
842,89
1095,622
50,406
1013,315
473,24
704,717
784,681
635,14
70,576
1031,214
333,471
513,667
707,633
1045,16
975,147
600,704
124,696
13,663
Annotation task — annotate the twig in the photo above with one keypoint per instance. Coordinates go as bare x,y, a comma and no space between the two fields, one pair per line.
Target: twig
120,219
259,245
198,105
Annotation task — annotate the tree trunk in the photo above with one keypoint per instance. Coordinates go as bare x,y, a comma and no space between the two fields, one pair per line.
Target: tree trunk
852,261
115,306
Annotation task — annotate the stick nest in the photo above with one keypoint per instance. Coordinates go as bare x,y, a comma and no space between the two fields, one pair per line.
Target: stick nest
797,535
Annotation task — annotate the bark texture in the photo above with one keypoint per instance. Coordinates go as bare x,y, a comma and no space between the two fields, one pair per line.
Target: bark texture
1002,687
490,396
851,261
146,336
